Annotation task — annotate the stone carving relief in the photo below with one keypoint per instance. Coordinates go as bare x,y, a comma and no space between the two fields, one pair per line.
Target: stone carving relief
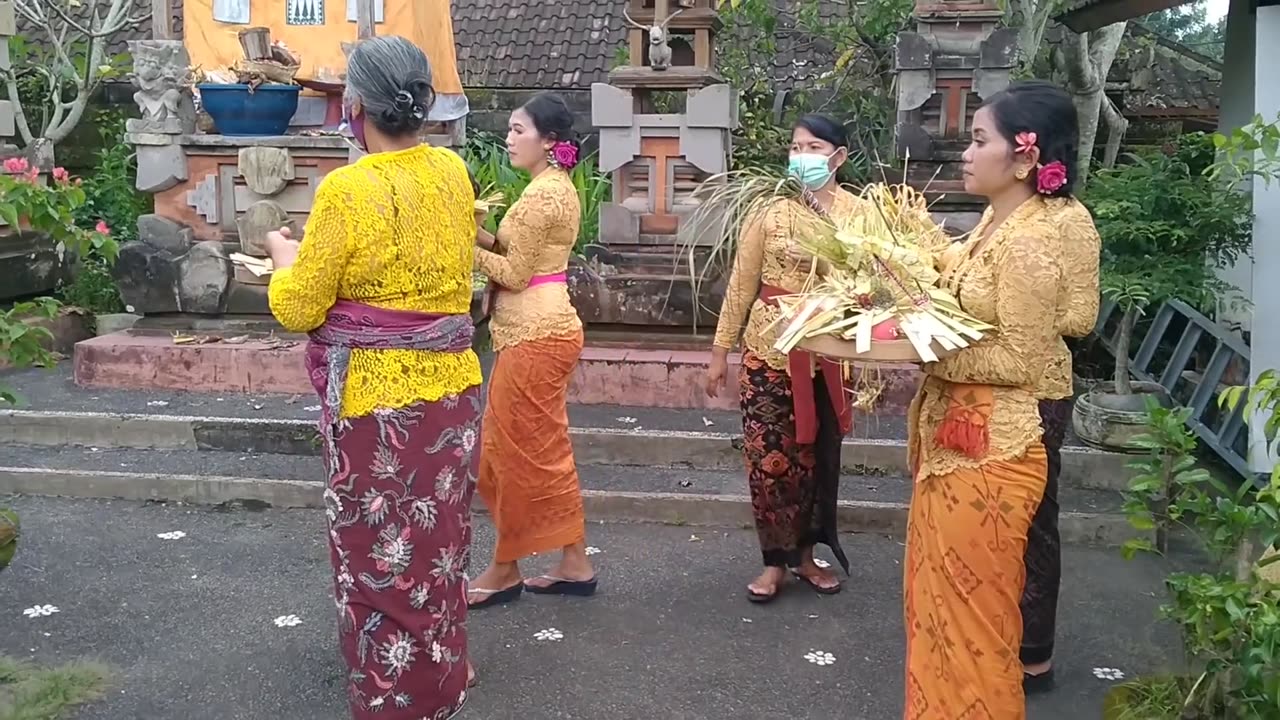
161,71
266,170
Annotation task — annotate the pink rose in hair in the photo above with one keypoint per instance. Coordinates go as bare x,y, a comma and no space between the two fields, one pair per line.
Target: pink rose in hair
1051,178
565,154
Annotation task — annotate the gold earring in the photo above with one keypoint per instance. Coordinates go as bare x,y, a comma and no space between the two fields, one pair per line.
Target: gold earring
1021,174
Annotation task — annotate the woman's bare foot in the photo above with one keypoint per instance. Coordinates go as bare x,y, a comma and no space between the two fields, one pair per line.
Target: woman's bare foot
573,566
767,585
496,578
471,675
821,579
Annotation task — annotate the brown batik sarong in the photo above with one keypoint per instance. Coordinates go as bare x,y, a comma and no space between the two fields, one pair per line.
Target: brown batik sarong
794,485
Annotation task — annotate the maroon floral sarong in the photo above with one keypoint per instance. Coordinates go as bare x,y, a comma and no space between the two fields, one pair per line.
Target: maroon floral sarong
398,503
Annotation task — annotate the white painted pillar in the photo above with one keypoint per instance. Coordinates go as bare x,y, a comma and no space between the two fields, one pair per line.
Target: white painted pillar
1264,348
1235,110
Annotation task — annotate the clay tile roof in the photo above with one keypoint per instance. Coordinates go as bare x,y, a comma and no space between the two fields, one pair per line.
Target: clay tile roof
1160,77
535,44
569,44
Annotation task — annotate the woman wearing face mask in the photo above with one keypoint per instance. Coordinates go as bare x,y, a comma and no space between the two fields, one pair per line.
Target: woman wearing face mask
794,418
527,474
382,283
975,427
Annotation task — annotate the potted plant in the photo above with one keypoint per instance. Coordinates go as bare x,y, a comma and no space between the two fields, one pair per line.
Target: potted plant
1167,222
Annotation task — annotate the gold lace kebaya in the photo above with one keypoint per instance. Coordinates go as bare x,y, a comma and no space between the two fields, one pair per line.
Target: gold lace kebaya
394,230
535,239
761,260
1012,283
1078,291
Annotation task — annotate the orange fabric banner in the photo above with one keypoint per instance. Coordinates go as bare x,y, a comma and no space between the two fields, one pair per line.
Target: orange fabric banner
214,45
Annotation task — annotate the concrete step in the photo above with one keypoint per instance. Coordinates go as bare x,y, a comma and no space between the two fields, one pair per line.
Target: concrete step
650,438
635,376
671,495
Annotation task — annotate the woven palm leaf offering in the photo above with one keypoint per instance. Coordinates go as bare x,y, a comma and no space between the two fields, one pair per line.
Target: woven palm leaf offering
879,299
490,202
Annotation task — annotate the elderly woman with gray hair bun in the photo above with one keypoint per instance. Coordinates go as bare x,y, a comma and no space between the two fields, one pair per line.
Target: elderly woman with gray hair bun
382,283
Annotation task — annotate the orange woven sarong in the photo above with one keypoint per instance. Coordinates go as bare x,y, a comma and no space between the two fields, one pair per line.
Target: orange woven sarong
528,478
963,578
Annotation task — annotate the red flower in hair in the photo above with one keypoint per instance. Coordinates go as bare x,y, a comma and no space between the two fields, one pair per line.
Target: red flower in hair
1050,178
565,154
1026,140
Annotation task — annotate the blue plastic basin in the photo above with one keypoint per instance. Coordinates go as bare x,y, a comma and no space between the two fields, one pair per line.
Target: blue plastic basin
236,111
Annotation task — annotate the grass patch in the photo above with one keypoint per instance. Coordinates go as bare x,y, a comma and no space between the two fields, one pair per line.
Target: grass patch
1147,698
29,692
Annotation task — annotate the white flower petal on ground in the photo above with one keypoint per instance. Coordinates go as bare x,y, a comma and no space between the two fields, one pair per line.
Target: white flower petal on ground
707,423
312,408
175,535
821,563
627,420
1104,673
820,657
157,403
288,621
593,550
40,611
549,635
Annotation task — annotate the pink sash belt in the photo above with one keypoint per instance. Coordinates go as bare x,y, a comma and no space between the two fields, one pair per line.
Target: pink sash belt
559,277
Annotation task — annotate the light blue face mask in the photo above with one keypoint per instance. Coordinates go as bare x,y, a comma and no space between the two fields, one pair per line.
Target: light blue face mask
812,169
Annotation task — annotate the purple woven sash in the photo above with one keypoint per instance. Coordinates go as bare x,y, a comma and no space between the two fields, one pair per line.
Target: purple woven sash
356,326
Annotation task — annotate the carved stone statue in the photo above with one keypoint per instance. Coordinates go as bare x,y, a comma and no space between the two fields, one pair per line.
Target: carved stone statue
161,73
659,42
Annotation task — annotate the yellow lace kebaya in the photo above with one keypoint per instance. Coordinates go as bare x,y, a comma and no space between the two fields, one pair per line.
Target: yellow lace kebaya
762,259
394,230
536,238
1013,284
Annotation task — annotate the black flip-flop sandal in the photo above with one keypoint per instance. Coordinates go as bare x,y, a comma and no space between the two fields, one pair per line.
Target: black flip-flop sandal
495,597
563,586
816,587
1035,684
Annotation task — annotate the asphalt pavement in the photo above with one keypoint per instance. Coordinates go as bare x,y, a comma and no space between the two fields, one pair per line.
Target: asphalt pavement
187,621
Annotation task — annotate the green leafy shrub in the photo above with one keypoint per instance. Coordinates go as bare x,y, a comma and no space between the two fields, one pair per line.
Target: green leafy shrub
1229,616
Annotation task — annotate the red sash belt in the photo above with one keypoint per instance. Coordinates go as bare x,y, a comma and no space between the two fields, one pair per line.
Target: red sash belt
799,365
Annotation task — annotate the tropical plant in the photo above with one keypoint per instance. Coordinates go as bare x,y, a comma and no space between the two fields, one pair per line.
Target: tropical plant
1166,223
111,195
10,529
853,80
23,341
486,156
62,60
29,204
1229,615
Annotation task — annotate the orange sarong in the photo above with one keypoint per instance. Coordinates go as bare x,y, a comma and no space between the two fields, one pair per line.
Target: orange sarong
963,578
528,478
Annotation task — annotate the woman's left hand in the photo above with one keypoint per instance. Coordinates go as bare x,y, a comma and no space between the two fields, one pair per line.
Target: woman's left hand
282,248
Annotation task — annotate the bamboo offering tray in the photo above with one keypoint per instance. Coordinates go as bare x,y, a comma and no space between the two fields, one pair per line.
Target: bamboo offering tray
881,351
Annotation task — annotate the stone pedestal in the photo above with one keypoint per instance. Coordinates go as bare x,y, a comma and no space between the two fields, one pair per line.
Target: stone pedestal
952,61
640,274
225,194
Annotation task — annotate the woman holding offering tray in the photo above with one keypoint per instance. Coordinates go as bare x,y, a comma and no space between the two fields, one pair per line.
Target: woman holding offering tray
975,429
795,412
